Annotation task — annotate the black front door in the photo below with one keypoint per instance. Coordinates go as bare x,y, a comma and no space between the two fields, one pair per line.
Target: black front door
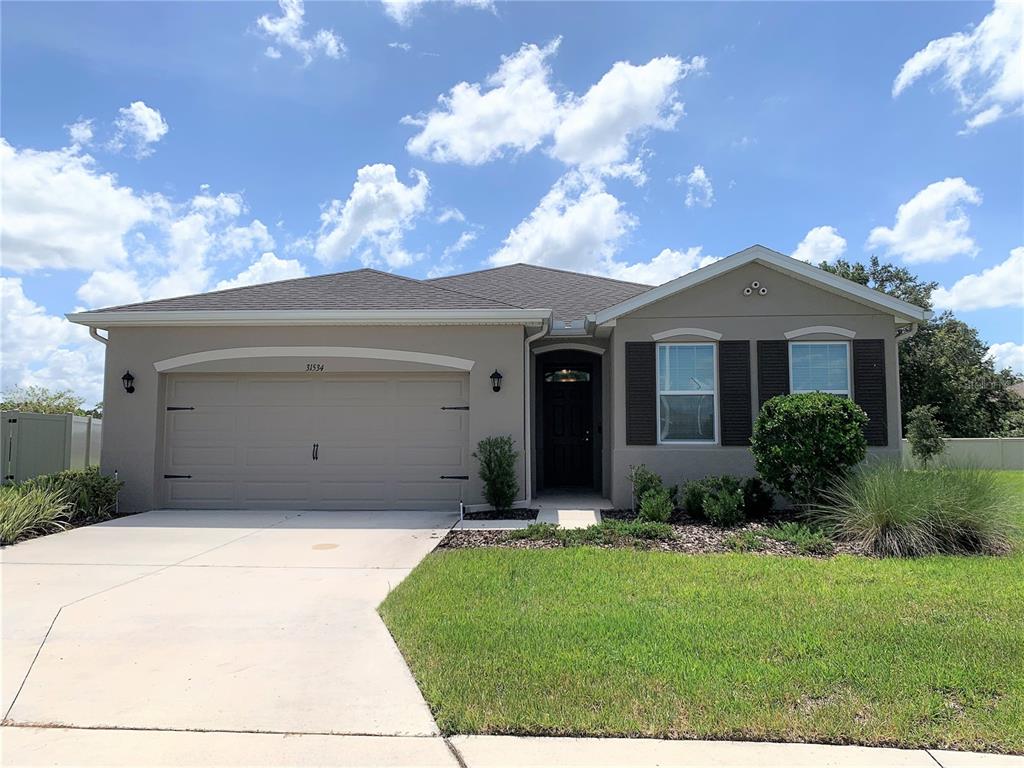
568,427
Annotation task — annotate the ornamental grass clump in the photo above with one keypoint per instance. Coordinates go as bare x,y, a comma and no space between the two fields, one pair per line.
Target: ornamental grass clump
892,512
29,512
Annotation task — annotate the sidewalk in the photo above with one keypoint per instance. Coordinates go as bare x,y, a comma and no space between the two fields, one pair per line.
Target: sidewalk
24,746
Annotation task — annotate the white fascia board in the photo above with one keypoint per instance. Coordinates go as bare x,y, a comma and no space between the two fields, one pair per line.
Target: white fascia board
903,311
321,317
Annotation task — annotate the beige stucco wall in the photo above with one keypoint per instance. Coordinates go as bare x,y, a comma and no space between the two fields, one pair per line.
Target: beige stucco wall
719,306
133,424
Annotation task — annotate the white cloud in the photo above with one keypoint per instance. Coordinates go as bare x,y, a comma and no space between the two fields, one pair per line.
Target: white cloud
400,46
932,225
667,265
596,130
60,212
404,11
378,211
820,244
446,264
998,286
984,66
1008,355
577,225
698,188
473,125
286,32
80,132
465,240
451,214
266,269
137,127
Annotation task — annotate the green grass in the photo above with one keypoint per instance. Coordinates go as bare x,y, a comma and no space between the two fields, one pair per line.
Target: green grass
902,652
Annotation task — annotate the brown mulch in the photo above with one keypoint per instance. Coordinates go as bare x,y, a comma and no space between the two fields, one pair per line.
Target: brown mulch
512,514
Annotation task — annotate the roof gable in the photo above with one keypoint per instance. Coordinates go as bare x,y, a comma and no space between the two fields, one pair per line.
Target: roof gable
902,311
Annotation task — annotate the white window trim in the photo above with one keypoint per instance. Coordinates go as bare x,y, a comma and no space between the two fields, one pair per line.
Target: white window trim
812,329
848,392
659,392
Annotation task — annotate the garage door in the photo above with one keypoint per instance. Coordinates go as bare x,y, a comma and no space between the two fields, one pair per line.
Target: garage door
353,441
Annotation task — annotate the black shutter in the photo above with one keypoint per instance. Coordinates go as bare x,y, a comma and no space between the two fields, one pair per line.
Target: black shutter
869,388
734,390
772,370
641,394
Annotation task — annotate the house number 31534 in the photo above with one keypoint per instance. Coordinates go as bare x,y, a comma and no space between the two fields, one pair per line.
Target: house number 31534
315,367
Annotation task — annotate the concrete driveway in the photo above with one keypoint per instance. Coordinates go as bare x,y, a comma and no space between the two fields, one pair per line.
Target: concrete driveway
215,621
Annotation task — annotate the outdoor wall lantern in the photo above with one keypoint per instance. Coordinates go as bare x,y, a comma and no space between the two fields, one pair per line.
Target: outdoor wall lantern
496,380
129,382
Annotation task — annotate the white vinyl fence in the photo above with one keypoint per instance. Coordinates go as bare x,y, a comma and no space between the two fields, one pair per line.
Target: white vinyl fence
39,444
982,452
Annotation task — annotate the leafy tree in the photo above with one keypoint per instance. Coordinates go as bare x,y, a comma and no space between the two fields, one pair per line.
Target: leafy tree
925,434
945,365
42,400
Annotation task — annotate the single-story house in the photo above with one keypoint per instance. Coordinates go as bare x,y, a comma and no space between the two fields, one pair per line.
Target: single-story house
367,390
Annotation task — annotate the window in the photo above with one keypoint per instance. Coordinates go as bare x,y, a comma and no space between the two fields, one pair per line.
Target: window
686,393
819,366
566,376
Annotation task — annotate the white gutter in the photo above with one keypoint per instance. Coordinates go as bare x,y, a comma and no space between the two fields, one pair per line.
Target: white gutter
909,334
96,335
528,414
278,317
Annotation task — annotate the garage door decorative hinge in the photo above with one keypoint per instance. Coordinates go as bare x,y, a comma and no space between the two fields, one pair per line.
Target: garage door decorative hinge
455,477
177,477
180,408
12,421
454,407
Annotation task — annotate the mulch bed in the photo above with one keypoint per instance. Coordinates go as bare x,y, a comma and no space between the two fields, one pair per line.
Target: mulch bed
512,514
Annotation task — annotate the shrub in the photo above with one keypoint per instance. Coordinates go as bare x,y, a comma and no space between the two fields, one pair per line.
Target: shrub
804,442
757,500
925,434
643,480
744,541
808,539
497,457
656,506
26,512
723,504
91,497
693,493
890,511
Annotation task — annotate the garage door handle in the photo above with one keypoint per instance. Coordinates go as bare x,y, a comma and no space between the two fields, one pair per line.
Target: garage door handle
455,477
316,451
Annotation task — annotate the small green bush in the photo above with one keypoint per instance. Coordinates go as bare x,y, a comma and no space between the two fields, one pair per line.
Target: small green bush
643,480
608,532
804,442
758,501
808,539
744,541
924,433
91,496
497,457
890,511
26,512
693,492
656,506
723,504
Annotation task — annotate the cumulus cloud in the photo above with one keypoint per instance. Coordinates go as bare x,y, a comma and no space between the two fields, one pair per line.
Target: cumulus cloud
932,225
450,214
667,265
473,124
820,244
137,128
286,31
698,188
998,286
266,269
984,66
404,11
80,132
1007,354
378,211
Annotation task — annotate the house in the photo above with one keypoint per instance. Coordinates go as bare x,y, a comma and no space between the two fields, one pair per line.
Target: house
364,390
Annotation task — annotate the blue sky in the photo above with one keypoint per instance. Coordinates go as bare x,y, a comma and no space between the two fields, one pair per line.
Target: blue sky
161,148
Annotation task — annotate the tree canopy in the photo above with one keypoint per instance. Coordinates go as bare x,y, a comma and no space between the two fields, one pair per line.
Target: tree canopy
36,399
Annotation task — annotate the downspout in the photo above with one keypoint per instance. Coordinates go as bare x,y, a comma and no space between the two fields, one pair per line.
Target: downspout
909,334
528,414
96,335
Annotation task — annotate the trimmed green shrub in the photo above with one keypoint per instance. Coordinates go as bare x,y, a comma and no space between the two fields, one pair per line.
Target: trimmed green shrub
744,541
643,480
26,512
757,500
656,506
804,442
693,492
808,539
497,457
91,497
924,433
723,503
890,511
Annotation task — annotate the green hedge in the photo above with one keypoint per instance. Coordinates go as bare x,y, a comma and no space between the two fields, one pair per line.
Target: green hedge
91,496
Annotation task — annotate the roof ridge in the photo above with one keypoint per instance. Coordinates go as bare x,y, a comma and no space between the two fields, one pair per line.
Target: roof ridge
547,269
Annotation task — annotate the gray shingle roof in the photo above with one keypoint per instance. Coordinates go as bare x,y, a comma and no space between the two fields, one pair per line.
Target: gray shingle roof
359,289
570,295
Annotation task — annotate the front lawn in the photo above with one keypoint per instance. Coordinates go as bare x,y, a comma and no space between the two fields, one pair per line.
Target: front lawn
923,652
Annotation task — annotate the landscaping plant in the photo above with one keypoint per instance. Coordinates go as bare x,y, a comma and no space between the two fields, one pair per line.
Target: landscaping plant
26,512
637,532
804,442
693,492
758,501
890,511
497,457
807,539
91,497
723,502
643,480
924,433
656,506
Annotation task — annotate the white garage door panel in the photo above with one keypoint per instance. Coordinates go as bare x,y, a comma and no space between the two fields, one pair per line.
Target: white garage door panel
383,441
